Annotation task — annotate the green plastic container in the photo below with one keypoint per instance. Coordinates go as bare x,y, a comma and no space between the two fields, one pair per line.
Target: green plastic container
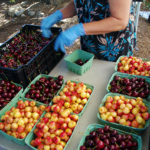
129,76
17,96
93,127
74,56
88,86
7,108
34,81
117,62
123,127
31,136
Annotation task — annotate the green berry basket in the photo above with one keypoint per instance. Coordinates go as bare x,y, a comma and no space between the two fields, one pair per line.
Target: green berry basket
118,60
74,56
32,136
123,127
17,96
93,127
7,108
88,86
129,76
35,80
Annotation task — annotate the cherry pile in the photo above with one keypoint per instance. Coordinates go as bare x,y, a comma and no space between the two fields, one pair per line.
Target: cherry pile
80,62
22,49
137,87
8,91
108,139
45,89
134,65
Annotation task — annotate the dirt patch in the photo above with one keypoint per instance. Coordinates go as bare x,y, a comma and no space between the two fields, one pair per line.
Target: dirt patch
143,39
12,25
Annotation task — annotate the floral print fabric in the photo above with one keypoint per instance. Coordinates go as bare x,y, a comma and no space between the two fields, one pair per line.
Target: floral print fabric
107,46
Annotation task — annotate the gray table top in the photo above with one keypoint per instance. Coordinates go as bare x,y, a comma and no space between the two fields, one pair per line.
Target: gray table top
98,76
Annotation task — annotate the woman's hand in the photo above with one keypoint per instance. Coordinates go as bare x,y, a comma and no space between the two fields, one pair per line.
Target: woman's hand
49,21
68,37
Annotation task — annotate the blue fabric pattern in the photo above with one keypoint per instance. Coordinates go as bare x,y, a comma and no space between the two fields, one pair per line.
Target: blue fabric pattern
108,46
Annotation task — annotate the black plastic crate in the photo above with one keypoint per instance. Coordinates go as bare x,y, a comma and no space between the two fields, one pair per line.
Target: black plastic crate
43,62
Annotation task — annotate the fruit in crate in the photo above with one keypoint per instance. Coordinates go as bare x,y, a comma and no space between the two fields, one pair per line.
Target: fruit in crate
137,87
108,139
133,65
20,120
54,129
124,111
73,96
22,48
80,62
44,89
8,91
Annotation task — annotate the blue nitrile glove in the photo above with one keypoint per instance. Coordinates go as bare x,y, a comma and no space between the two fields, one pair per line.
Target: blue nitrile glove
49,21
67,37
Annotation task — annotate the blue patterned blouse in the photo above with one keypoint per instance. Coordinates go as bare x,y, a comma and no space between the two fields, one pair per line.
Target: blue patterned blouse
105,46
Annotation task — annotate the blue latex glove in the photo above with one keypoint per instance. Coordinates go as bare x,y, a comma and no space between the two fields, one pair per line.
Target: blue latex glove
68,37
49,21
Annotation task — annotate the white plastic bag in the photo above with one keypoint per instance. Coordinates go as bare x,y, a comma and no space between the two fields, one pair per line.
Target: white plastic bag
145,14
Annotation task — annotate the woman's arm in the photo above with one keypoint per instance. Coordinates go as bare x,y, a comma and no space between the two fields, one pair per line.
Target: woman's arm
120,10
69,10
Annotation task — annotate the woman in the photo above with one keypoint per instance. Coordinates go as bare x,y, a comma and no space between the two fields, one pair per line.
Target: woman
104,27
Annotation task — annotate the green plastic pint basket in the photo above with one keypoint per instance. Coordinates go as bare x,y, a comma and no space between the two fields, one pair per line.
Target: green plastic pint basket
88,86
129,76
34,81
118,61
7,108
123,127
93,127
32,136
74,56
13,99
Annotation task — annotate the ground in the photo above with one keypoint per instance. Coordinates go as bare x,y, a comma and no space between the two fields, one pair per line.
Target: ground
143,39
10,25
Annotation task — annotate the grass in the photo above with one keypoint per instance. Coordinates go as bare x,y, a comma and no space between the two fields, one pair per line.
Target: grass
146,5
12,1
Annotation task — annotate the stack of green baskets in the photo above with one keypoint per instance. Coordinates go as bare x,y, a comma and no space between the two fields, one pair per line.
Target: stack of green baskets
31,134
74,56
